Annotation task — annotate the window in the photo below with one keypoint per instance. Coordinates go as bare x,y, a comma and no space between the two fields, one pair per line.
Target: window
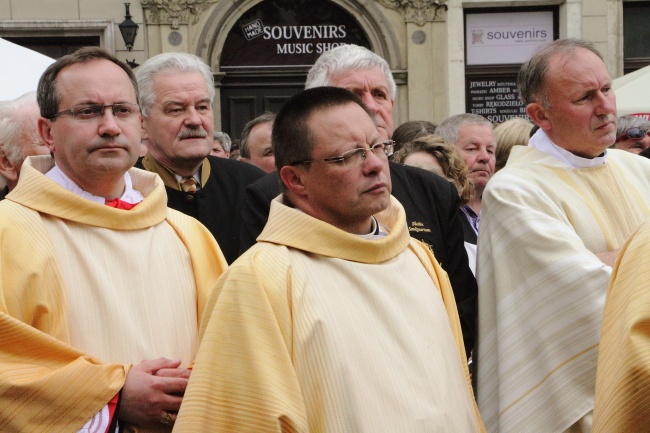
636,35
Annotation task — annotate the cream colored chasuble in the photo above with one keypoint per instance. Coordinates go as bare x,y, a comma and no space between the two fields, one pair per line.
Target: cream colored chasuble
542,287
47,384
317,330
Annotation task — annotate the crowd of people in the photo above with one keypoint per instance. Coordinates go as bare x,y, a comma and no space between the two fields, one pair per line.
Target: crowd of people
326,272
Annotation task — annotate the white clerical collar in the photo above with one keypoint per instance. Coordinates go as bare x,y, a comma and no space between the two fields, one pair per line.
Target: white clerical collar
378,231
540,141
130,195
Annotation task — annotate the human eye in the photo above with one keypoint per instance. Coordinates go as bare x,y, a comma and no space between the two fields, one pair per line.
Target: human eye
340,160
85,112
379,94
122,110
174,110
351,156
203,108
585,97
344,158
379,149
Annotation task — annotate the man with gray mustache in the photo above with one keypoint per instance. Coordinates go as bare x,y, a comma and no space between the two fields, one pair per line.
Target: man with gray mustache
176,95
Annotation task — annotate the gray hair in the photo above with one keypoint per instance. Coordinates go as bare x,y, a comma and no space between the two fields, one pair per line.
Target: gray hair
627,122
244,148
14,128
449,128
345,58
531,80
224,139
169,63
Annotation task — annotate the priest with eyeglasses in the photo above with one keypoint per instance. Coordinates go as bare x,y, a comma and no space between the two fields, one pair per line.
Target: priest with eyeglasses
336,320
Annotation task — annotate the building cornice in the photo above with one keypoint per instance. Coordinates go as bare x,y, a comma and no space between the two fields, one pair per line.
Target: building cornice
419,11
174,12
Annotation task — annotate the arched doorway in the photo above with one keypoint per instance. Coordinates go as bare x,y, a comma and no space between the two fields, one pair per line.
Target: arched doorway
267,51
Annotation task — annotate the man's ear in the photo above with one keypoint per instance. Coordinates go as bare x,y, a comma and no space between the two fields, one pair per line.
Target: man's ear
539,115
7,169
143,131
292,177
45,132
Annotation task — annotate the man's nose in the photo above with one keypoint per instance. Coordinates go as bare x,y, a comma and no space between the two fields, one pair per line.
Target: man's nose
108,124
606,103
373,163
370,102
193,117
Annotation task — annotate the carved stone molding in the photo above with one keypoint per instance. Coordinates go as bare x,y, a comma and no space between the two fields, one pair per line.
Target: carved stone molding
419,11
174,12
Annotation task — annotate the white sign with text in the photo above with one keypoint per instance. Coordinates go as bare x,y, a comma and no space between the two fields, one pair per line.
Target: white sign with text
506,38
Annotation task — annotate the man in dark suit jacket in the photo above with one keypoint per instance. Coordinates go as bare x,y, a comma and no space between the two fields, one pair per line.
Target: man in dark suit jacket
430,202
218,203
176,94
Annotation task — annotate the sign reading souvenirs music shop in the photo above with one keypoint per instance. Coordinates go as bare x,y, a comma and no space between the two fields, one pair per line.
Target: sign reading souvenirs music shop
288,34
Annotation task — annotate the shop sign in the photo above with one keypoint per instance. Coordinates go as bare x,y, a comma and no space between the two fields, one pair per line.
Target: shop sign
288,34
506,37
496,99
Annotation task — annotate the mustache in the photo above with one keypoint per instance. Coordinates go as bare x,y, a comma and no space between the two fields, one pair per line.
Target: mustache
192,133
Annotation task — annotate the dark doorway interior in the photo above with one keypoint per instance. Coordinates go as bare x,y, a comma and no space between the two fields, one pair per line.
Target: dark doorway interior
246,96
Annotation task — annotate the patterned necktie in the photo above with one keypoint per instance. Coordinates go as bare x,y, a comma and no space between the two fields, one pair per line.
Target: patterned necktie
188,184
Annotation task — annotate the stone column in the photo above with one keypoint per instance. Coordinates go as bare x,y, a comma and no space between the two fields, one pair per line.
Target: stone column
168,23
426,57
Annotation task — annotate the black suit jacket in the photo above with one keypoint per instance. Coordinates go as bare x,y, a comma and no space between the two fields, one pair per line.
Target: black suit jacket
432,213
468,231
218,203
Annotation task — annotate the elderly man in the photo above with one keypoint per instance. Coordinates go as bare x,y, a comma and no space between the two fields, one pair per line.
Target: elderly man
102,285
473,136
176,94
632,134
430,202
221,145
18,137
335,319
255,145
553,221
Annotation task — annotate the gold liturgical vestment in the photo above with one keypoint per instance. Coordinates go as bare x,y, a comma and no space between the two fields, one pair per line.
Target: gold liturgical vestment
623,373
318,330
76,273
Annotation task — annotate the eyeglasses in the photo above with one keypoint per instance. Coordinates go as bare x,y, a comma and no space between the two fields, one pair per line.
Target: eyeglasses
122,110
355,156
635,133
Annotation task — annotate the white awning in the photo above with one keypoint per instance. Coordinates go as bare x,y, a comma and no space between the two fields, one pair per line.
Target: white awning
21,69
633,92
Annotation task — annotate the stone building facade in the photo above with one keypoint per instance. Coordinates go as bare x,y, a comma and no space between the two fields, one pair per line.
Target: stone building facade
447,56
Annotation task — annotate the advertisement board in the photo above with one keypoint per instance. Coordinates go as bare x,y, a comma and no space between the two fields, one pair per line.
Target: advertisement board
288,35
505,37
